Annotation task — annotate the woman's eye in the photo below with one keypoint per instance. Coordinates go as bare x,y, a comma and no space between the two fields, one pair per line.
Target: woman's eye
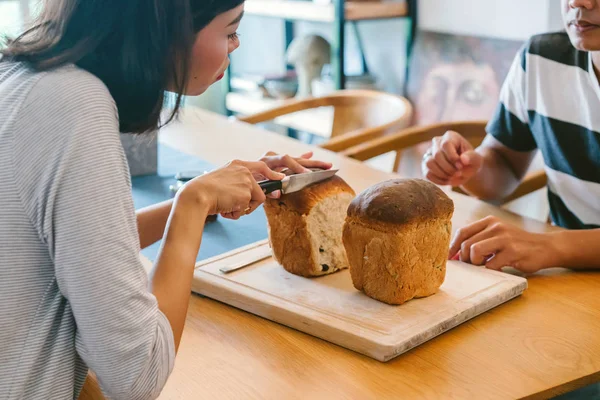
234,36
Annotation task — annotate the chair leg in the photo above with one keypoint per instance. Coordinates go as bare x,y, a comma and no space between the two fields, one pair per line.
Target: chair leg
397,161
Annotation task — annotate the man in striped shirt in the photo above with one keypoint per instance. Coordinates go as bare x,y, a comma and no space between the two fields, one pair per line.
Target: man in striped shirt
550,102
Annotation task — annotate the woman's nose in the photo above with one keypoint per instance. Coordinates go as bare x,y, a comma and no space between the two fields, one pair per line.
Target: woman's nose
234,45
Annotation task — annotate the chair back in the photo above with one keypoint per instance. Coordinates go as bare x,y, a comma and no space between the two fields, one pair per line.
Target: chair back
356,110
358,115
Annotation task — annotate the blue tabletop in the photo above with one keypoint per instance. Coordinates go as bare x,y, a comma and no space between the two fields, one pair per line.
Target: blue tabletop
221,235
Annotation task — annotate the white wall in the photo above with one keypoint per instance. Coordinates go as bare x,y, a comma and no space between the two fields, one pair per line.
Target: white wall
262,46
506,19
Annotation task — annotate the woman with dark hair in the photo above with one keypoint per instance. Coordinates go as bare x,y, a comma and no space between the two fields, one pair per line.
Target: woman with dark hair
73,292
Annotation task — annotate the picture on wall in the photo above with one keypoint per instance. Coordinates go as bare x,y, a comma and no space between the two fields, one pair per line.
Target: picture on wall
455,78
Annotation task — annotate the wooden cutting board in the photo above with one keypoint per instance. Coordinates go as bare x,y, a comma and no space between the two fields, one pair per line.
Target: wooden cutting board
330,308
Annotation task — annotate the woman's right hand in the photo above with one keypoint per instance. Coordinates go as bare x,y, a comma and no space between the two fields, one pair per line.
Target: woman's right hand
230,190
451,160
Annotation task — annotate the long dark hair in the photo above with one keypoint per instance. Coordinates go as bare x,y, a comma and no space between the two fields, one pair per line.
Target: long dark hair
136,48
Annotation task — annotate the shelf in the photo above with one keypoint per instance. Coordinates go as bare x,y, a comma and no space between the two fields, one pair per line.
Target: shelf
310,11
317,121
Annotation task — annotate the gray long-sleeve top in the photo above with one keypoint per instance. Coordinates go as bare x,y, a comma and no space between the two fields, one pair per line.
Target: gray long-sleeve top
73,292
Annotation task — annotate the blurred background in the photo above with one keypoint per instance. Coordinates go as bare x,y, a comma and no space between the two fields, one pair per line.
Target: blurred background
460,54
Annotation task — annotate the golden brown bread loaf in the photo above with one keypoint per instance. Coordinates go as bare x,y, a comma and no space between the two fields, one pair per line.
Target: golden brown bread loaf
396,237
305,228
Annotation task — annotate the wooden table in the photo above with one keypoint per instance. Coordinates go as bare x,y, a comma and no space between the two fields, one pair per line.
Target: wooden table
544,343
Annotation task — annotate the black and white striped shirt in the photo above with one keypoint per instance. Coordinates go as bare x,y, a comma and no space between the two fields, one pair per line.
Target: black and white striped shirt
73,292
551,101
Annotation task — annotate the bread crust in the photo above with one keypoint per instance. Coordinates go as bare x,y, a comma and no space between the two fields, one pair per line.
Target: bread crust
398,251
388,205
302,201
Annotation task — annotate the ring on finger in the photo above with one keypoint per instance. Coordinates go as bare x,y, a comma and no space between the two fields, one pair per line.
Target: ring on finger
427,154
247,209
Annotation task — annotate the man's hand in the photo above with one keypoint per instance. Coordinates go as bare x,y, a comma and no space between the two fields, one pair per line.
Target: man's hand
496,244
451,160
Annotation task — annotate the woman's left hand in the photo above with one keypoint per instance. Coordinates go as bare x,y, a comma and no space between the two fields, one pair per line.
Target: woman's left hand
496,244
297,165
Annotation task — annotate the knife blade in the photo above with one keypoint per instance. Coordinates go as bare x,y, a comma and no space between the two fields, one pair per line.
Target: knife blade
294,183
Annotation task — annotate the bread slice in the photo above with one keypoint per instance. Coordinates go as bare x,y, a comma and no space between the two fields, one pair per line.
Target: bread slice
396,237
305,228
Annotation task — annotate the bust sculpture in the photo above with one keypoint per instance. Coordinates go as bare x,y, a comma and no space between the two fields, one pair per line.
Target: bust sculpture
308,54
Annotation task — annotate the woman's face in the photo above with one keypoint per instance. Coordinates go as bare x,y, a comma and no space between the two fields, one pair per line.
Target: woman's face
210,55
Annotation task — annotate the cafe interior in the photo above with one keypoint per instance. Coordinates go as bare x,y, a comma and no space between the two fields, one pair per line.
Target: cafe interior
442,124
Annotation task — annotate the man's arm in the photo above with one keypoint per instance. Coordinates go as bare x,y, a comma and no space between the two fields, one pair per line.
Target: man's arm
496,244
578,249
151,222
501,171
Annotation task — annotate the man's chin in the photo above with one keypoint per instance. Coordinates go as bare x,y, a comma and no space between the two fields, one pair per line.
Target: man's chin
585,43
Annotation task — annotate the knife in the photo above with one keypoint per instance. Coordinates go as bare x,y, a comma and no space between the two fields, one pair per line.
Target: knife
294,183
262,253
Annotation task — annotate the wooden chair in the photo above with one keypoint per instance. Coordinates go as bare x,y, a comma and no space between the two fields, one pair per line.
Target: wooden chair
359,115
474,131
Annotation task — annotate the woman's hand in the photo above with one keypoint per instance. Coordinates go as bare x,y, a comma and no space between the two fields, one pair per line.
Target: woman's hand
496,244
297,165
231,190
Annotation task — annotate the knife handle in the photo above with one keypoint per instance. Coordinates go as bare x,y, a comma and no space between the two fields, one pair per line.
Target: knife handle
270,186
